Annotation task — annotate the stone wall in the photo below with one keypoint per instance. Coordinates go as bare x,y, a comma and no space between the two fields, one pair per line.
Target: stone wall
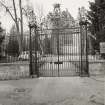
14,71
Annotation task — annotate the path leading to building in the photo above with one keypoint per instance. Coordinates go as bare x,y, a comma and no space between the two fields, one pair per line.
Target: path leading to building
53,91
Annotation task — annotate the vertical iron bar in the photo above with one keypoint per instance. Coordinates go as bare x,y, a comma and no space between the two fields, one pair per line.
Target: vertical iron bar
81,50
58,51
79,34
87,63
36,45
30,49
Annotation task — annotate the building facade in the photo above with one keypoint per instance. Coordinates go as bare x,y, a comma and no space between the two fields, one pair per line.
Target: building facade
64,37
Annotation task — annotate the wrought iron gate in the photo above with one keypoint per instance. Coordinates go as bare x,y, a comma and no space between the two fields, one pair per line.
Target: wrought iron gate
59,52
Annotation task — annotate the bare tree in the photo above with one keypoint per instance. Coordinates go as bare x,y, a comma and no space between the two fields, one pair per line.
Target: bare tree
15,18
39,13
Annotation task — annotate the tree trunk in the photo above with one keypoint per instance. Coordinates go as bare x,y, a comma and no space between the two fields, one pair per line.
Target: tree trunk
17,26
21,16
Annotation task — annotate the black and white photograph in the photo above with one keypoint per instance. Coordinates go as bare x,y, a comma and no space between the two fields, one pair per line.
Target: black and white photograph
52,52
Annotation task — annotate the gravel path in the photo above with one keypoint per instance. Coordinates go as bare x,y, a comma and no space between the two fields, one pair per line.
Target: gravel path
53,91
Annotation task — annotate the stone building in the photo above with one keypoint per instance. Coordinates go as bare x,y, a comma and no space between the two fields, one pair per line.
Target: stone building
62,38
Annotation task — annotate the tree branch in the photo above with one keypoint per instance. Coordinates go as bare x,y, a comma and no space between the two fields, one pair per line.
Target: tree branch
15,15
8,11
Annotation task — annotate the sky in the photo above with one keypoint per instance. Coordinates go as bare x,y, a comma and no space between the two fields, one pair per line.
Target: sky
71,5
